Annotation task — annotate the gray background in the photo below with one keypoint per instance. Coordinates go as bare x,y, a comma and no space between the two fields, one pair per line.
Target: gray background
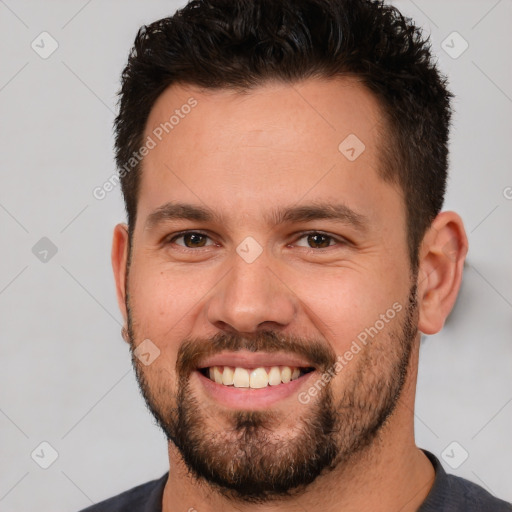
66,376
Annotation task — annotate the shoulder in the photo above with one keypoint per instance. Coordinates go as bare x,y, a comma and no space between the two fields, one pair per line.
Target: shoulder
475,498
143,498
451,493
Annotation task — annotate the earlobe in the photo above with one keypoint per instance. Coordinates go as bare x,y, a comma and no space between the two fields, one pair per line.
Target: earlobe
441,261
119,256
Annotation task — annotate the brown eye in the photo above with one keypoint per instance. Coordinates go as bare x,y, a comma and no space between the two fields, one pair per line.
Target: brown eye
191,240
319,240
194,240
316,240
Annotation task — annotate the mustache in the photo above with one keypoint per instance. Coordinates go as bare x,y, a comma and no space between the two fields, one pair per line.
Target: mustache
192,350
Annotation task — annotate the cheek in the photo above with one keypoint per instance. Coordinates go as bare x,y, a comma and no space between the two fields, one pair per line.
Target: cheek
160,310
348,303
161,297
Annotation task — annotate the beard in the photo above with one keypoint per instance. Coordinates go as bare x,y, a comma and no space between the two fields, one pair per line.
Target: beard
244,456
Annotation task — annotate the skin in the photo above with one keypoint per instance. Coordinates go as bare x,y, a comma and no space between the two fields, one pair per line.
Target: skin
244,155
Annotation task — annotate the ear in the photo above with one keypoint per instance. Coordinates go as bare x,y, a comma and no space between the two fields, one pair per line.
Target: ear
441,262
120,249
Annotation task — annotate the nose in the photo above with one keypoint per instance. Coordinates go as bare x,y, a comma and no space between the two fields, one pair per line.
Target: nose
251,297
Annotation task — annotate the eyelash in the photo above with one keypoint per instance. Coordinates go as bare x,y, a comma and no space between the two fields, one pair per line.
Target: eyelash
302,235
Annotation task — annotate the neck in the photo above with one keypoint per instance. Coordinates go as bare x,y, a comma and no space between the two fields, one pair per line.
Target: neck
390,474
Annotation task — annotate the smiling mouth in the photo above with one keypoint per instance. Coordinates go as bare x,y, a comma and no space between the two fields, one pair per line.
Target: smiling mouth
254,378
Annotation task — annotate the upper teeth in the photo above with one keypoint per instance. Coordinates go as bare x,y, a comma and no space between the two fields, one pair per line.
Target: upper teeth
253,378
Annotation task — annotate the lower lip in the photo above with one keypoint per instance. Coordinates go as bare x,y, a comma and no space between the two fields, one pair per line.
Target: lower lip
248,398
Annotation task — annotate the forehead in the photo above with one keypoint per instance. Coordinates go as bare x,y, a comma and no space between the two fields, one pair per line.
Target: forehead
297,112
274,143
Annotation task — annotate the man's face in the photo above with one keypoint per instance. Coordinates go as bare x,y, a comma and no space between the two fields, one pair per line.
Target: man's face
280,247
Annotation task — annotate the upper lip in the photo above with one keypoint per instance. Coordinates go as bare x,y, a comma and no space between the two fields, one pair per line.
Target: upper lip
246,359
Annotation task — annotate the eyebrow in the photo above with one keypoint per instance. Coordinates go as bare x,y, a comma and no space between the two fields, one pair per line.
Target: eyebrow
307,213
321,211
179,211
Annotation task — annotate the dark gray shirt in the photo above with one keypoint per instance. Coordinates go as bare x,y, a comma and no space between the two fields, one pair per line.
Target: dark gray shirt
448,494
